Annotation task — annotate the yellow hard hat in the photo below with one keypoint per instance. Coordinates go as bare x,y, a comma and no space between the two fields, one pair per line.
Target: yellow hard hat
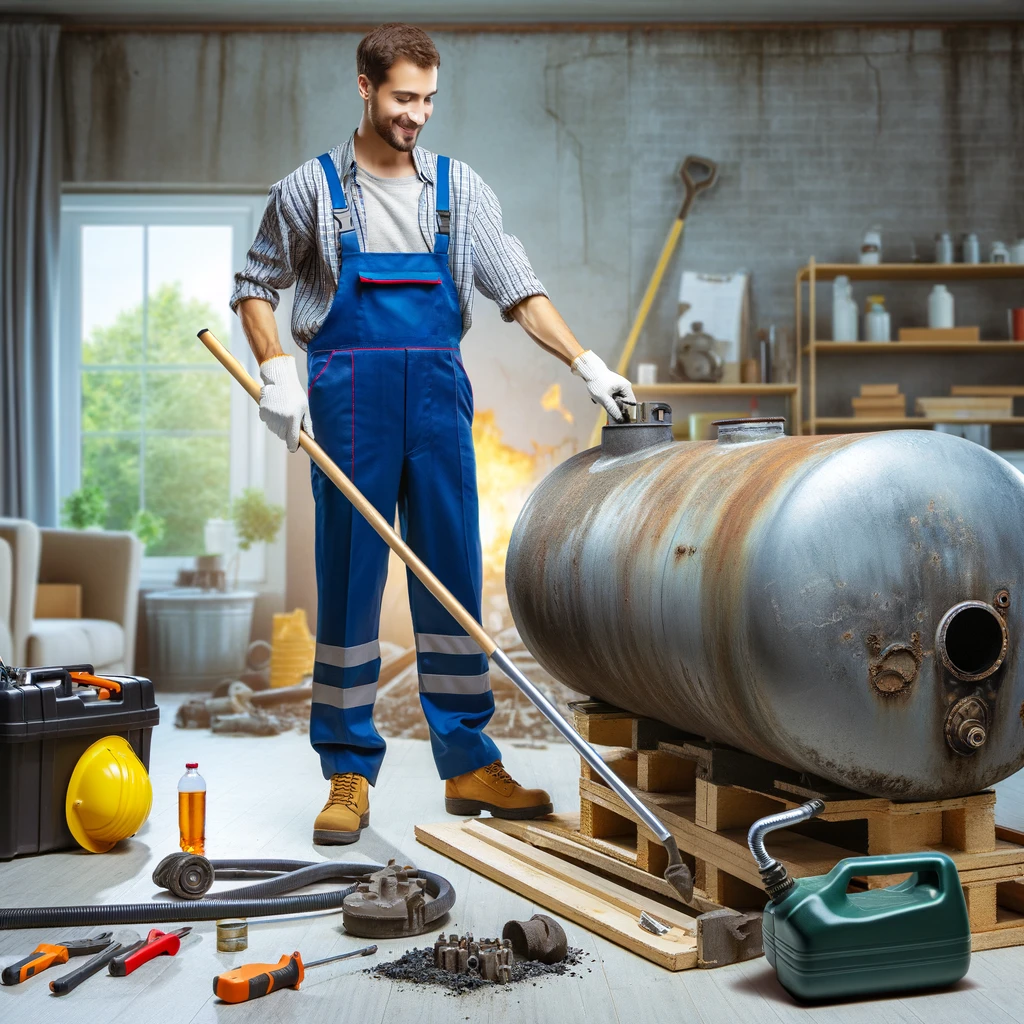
109,795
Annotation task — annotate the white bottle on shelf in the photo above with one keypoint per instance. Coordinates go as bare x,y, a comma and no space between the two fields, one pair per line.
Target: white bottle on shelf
876,320
940,307
844,310
871,247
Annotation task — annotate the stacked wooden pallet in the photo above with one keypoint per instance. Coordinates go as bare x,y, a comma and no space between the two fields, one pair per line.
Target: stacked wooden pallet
592,867
708,796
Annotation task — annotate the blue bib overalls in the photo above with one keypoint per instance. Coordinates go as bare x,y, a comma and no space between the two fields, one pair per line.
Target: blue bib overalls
392,406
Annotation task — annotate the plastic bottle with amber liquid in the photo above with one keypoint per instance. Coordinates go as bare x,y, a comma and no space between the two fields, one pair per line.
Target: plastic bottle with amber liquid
192,809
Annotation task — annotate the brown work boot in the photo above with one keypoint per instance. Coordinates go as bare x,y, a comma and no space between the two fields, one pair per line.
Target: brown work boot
346,813
492,789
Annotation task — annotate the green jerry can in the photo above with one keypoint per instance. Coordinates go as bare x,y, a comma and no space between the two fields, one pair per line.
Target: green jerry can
827,943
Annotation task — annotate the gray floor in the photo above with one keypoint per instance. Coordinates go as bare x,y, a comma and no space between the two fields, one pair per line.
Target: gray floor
263,796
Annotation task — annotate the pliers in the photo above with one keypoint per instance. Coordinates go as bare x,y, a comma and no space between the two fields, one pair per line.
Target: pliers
46,955
157,943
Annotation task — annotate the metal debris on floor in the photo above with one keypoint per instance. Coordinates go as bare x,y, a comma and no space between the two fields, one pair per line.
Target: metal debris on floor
418,967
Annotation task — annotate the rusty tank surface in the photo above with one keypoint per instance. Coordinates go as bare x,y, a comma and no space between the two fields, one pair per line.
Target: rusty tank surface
848,606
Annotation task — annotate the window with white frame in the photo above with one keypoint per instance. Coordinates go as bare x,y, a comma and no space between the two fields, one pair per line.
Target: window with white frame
149,419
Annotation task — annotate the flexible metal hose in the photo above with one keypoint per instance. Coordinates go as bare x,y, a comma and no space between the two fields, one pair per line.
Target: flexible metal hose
260,900
773,874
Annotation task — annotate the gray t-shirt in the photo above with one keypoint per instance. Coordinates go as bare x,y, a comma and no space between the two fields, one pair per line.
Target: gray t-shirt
392,213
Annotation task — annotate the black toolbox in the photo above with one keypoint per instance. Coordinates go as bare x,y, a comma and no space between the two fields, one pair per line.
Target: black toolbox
47,721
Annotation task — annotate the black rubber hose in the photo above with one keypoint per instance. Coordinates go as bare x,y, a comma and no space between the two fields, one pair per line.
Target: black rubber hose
259,900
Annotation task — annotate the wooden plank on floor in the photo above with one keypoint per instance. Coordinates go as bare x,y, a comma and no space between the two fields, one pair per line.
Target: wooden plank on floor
558,833
603,888
675,951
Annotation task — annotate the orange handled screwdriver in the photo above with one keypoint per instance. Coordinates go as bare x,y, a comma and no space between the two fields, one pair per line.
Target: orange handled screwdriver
254,980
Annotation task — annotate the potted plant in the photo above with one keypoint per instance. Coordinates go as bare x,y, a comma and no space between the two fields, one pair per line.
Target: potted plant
84,508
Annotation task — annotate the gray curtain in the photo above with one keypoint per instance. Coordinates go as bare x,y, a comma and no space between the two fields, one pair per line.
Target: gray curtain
30,149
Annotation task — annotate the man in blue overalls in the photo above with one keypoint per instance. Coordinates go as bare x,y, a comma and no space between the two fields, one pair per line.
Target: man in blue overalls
385,243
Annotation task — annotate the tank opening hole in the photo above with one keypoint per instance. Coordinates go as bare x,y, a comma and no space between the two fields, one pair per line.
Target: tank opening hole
972,640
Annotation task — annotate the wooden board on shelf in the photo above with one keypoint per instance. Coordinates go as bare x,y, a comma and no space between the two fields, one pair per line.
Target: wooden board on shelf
913,271
1012,390
957,407
879,390
860,348
856,422
939,334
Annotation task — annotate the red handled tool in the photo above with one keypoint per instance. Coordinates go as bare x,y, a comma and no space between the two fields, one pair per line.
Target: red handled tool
254,980
157,943
47,954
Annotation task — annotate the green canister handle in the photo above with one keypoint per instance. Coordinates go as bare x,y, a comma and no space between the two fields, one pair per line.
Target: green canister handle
937,865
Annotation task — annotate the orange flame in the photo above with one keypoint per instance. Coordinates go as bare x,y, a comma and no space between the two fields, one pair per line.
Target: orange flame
551,401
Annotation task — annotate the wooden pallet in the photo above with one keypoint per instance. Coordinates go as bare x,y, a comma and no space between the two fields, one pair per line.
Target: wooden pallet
708,796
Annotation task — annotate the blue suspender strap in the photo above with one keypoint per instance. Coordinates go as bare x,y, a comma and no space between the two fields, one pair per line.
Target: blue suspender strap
443,211
348,242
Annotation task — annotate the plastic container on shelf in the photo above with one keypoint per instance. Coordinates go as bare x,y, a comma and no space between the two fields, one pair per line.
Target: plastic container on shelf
192,809
844,310
876,321
940,307
944,247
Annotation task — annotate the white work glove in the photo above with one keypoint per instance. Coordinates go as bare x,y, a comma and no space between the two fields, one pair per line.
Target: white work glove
606,387
284,406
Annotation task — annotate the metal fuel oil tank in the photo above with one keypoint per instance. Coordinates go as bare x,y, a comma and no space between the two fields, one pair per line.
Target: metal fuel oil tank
848,606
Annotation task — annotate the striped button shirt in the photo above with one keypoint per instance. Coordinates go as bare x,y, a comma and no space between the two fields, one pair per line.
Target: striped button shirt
297,241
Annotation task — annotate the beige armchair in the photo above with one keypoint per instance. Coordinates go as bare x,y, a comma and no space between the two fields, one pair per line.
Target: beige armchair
23,538
105,564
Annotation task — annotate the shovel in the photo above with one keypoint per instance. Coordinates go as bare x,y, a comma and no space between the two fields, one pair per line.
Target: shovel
677,874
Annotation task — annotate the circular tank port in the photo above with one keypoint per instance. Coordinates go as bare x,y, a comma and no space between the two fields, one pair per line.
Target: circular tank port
972,640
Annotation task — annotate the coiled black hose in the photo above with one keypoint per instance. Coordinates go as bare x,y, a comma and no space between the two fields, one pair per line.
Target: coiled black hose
260,900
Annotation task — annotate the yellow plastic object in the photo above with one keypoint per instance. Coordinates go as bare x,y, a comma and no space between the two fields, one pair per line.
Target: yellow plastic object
292,649
109,796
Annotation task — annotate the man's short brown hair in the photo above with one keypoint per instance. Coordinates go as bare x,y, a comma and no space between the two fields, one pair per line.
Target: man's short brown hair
392,42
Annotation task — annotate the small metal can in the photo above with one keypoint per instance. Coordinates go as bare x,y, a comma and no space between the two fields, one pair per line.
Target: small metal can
232,935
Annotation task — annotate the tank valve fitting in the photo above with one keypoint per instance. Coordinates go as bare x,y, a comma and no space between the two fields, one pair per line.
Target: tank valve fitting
774,876
967,725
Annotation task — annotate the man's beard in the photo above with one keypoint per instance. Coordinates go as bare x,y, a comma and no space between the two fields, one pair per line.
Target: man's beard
391,135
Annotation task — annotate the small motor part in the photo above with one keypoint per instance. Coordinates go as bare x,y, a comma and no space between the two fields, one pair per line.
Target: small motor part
541,938
389,904
232,935
187,875
694,357
490,959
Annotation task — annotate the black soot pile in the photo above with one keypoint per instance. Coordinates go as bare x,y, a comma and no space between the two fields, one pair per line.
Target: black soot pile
417,966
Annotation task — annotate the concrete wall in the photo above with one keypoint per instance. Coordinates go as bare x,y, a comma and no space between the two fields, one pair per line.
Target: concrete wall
819,133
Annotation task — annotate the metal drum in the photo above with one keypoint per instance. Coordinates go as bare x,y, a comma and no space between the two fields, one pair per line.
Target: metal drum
848,606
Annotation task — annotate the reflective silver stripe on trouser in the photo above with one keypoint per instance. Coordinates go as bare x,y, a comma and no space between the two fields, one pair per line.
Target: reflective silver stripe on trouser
439,643
347,657
455,684
344,698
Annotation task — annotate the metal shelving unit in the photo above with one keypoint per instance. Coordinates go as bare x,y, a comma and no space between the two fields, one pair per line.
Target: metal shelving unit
814,273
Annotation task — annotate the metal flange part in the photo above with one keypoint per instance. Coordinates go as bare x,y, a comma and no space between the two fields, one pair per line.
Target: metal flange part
389,904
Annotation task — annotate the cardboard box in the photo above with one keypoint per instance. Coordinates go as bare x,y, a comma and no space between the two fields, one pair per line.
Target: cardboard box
940,334
58,601
878,390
